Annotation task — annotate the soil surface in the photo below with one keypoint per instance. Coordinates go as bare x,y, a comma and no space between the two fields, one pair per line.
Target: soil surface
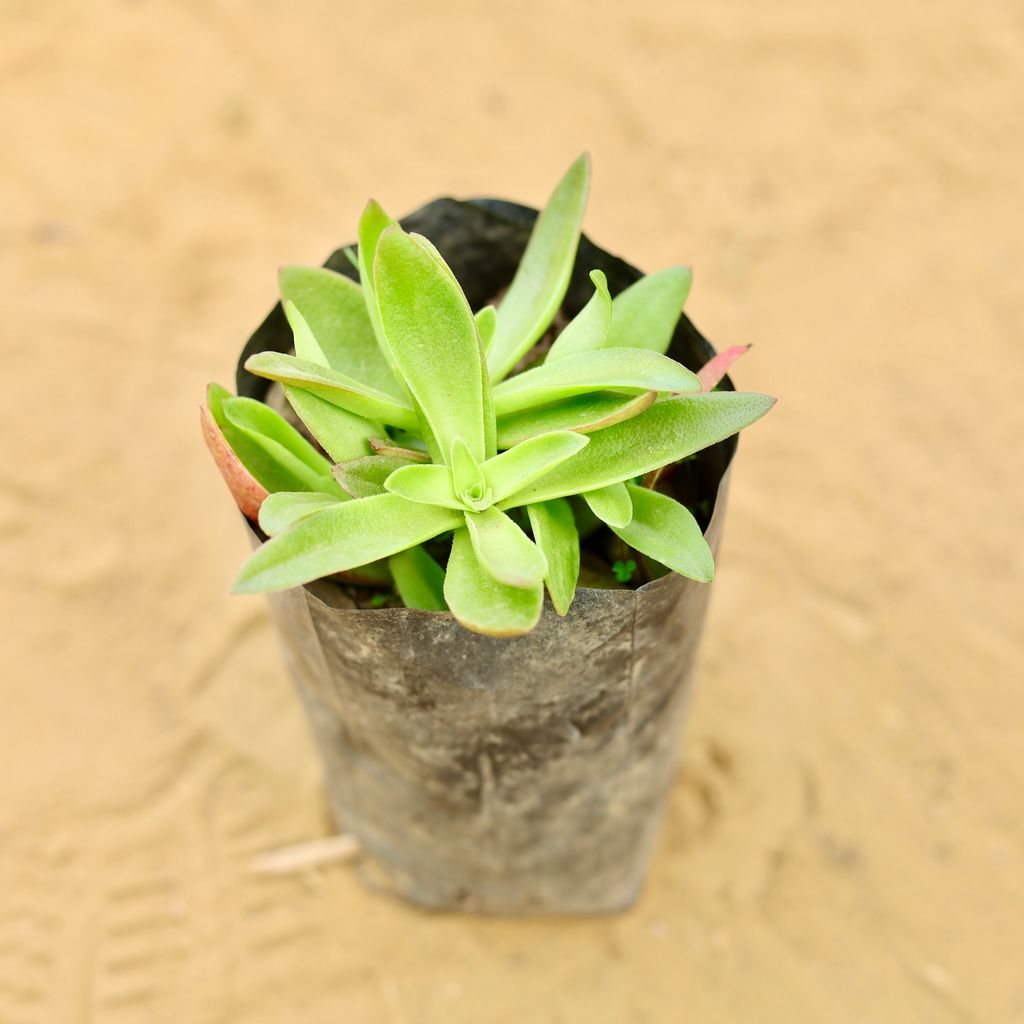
845,840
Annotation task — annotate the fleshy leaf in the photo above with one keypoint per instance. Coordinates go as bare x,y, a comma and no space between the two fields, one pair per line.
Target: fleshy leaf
543,275
342,434
583,414
304,341
248,492
646,313
668,431
333,387
373,223
593,371
666,531
335,312
283,508
424,484
521,465
588,330
419,580
257,417
718,366
554,532
486,321
264,466
468,480
504,550
341,537
432,337
364,477
490,441
281,443
482,604
611,504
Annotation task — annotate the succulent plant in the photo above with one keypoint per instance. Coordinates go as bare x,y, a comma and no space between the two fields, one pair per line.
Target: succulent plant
428,427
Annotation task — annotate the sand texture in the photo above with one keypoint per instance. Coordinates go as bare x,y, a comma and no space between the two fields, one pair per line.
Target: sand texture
845,842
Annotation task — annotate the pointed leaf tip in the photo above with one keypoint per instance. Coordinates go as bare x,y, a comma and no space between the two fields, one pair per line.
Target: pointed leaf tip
248,492
645,314
666,531
554,532
541,280
432,337
668,431
588,330
712,372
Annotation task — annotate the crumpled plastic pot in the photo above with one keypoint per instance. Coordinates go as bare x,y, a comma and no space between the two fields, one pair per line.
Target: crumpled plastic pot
522,775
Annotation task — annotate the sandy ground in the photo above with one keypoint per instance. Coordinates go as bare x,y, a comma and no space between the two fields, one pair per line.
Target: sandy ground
846,840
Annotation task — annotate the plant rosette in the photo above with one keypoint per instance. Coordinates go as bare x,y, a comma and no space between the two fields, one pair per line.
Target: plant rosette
486,514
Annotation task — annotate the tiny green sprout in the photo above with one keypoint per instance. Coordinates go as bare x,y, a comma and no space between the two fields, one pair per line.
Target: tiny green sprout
428,433
624,570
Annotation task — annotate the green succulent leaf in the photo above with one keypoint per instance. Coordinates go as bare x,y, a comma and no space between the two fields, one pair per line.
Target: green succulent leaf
468,480
482,604
486,321
611,504
646,313
433,340
504,550
425,484
490,444
373,223
258,418
588,330
262,462
342,434
337,325
668,431
305,343
341,537
281,445
333,387
419,580
513,470
593,371
543,275
248,492
554,532
666,531
284,508
365,477
582,413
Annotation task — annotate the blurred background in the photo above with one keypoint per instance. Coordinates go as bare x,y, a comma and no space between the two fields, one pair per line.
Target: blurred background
846,838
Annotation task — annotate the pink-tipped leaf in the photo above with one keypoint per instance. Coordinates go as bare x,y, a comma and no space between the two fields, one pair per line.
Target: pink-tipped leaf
712,372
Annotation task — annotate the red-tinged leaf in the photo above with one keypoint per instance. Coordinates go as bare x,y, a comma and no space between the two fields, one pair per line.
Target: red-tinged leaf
718,366
385,446
247,491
